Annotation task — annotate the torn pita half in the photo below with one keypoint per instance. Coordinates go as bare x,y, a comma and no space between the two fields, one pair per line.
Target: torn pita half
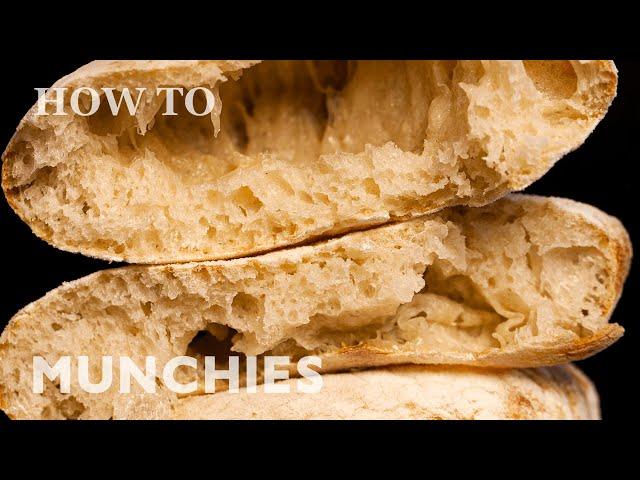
524,282
293,151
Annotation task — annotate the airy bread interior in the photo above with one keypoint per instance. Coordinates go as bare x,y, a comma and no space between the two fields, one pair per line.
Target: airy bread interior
293,151
463,286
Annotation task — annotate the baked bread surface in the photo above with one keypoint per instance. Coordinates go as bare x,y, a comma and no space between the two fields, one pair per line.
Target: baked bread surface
293,151
414,393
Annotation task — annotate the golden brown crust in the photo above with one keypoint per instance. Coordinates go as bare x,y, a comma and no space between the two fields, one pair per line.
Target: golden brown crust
550,353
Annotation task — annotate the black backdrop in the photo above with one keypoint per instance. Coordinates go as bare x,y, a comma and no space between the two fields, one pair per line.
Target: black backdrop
601,172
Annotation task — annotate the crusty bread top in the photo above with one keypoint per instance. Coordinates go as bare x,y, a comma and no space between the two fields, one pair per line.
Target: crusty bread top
409,393
523,282
299,151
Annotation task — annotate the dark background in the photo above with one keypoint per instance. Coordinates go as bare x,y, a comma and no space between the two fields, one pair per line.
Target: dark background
602,173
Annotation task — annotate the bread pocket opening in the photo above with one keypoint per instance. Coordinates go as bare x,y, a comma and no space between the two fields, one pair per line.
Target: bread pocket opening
480,310
293,111
556,79
216,342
